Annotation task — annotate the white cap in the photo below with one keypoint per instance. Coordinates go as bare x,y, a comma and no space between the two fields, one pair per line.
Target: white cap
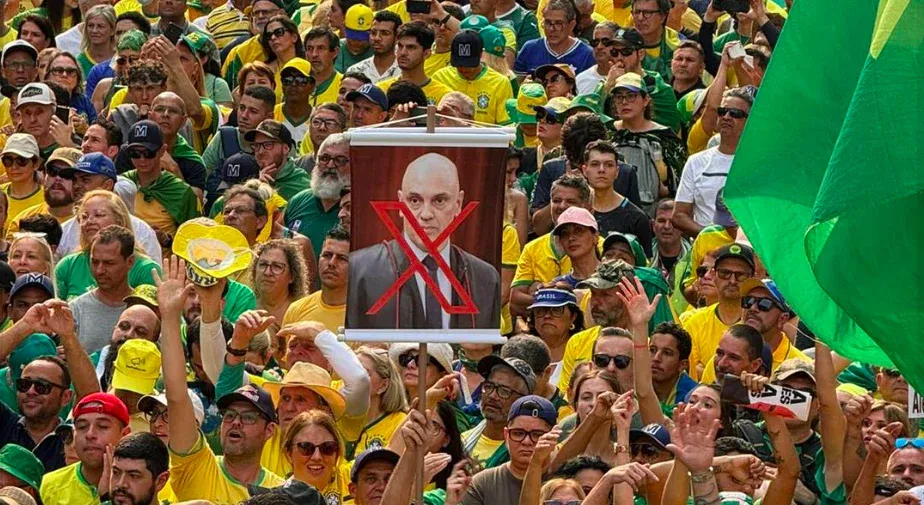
22,144
146,403
18,44
36,92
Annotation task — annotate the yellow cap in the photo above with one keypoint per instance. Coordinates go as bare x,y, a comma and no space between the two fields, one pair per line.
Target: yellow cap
531,95
631,81
559,104
357,22
137,366
299,64
145,294
212,251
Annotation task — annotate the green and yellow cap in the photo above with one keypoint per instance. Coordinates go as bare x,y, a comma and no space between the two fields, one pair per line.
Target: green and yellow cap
531,95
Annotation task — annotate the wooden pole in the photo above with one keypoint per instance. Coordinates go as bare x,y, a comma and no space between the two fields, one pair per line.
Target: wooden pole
431,118
422,362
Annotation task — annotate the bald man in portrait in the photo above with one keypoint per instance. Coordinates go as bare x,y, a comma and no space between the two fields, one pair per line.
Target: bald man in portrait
430,188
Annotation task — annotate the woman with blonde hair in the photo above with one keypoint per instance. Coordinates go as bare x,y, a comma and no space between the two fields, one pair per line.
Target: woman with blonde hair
97,42
97,210
387,401
313,446
30,253
494,54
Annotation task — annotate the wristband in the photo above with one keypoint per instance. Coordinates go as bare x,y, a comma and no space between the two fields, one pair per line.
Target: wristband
620,448
640,346
240,353
701,477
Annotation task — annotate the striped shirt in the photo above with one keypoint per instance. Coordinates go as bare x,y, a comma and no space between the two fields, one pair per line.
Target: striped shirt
226,24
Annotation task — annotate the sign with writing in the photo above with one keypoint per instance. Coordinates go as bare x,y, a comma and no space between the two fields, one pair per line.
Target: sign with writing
915,404
778,400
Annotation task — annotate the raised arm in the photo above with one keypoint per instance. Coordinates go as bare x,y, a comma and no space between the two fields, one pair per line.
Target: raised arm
414,434
212,344
881,445
172,292
833,424
783,487
31,322
633,297
60,320
599,418
633,475
693,448
855,411
180,82
532,481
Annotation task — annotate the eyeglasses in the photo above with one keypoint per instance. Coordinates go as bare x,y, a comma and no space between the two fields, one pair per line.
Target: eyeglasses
265,145
726,274
42,386
891,372
18,65
597,42
264,13
227,211
165,110
11,159
518,435
326,123
278,32
647,451
701,271
141,153
68,71
151,416
308,449
644,13
53,171
554,25
298,80
549,311
272,266
625,97
625,51
732,111
503,392
122,60
917,443
338,161
248,418
621,361
763,304
552,80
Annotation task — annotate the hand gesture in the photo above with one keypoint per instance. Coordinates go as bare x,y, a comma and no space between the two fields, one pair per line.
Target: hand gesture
694,448
744,468
403,110
633,297
106,477
623,409
602,405
59,319
168,164
437,13
755,383
302,329
250,324
268,174
727,58
211,295
434,463
457,483
36,319
634,474
857,409
172,289
675,15
882,442
414,431
61,132
900,498
166,51
542,453
758,12
712,14
446,387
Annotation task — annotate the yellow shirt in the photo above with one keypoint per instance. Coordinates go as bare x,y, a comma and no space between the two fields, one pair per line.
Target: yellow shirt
200,475
784,351
435,61
18,205
313,308
510,254
338,491
378,433
274,457
154,214
10,36
484,447
580,347
248,51
490,91
540,261
5,117
706,329
400,8
35,210
327,92
697,138
67,485
433,90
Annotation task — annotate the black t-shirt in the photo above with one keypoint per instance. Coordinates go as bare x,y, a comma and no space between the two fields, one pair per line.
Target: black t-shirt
627,218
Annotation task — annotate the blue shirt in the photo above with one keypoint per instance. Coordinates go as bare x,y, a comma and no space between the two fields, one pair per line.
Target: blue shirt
99,72
536,53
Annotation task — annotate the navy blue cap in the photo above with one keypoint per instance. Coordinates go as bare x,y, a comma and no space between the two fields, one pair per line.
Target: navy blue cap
465,50
654,433
146,134
94,163
33,279
370,92
253,395
552,297
369,456
237,169
533,406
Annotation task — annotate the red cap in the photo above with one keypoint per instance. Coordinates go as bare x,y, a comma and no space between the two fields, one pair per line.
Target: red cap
102,403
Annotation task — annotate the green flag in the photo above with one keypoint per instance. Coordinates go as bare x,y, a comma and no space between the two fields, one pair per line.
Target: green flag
828,181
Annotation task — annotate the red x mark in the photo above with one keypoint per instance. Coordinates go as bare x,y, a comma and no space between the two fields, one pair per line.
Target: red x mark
432,247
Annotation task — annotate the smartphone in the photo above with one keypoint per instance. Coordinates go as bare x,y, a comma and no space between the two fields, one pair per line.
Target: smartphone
173,33
736,50
732,6
418,6
63,113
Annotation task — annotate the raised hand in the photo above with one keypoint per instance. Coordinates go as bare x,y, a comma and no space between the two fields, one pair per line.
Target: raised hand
172,289
633,297
434,463
901,498
250,324
602,405
744,468
36,318
542,453
446,387
623,409
59,319
882,442
857,409
634,474
414,431
755,383
106,477
302,329
694,448
457,483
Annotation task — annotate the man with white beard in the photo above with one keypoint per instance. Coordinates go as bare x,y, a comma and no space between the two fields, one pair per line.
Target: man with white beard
314,211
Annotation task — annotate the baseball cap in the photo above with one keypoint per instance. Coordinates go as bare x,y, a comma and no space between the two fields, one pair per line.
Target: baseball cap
18,45
302,65
519,367
630,81
10,495
22,144
533,406
272,129
34,346
474,22
137,366
629,37
442,353
629,239
370,92
199,43
33,279
143,294
298,491
312,377
369,456
96,164
556,108
589,102
66,155
102,403
253,395
7,277
690,104
608,275
552,297
357,22
146,134
36,92
238,168
493,41
19,462
655,433
522,108
465,50
791,367
564,68
748,284
575,215
735,250
147,403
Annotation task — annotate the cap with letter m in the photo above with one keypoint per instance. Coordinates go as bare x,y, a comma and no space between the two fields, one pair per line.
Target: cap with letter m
145,134
466,50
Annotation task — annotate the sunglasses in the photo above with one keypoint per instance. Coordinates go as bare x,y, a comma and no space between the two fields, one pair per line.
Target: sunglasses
552,80
733,111
701,271
726,274
597,42
544,116
299,80
69,71
917,443
141,153
53,171
891,372
550,311
763,304
42,386
644,450
620,361
19,161
308,449
626,51
278,32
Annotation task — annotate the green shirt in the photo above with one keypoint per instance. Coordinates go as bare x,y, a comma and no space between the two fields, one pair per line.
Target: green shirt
306,215
346,59
74,278
290,180
238,300
525,25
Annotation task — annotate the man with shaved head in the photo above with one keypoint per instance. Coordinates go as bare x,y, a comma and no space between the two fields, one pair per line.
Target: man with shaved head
430,189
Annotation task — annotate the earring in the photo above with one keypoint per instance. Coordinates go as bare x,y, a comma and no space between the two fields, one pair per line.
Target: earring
572,326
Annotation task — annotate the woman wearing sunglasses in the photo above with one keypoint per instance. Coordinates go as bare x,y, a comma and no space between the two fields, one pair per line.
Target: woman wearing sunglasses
315,449
63,69
128,49
557,79
281,43
554,317
549,120
405,357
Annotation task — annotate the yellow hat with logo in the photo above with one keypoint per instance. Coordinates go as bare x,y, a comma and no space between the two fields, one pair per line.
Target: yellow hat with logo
137,366
357,22
212,251
143,294
531,95
300,64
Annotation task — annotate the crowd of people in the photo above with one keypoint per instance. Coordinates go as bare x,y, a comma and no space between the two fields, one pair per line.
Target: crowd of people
630,297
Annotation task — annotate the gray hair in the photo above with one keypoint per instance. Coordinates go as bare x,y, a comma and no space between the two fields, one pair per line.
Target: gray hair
564,6
466,104
745,93
334,139
106,12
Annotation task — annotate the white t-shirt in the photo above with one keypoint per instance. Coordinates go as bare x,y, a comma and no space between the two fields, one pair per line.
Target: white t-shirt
144,234
587,80
70,40
703,176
